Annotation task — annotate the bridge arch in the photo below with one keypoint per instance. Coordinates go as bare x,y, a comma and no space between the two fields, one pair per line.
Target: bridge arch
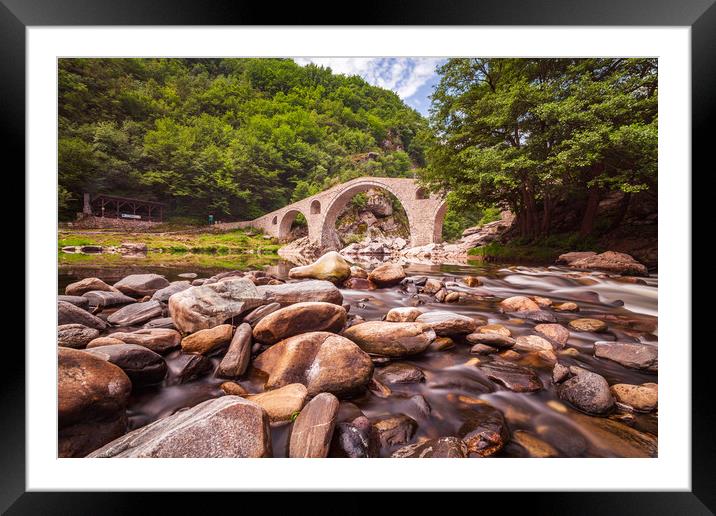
286,221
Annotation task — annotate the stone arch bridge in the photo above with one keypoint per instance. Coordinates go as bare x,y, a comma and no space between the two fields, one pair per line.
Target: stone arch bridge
425,211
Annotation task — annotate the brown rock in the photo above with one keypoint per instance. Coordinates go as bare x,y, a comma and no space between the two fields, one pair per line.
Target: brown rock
92,398
300,318
442,448
441,344
67,313
452,297
281,404
206,341
446,324
587,391
588,325
491,339
237,357
485,431
75,336
259,313
629,354
229,426
392,430
472,281
610,261
387,275
330,267
298,292
86,285
143,366
187,367
322,361
358,284
358,272
542,301
159,340
432,286
103,341
136,313
403,314
513,377
556,333
643,398
104,299
233,388
495,328
535,446
313,429
566,307
140,285
400,372
518,304
391,339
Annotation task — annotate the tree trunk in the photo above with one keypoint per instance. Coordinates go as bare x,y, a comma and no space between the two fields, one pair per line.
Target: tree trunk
590,212
548,207
621,212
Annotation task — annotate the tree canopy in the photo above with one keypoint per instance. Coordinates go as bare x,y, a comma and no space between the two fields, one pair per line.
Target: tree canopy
232,137
527,134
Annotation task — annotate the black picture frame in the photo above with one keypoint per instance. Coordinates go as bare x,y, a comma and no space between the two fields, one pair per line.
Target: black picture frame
17,15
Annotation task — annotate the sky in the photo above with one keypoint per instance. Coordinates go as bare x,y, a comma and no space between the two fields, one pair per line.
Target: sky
412,78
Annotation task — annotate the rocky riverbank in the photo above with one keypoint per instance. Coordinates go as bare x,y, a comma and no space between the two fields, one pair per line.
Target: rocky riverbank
333,360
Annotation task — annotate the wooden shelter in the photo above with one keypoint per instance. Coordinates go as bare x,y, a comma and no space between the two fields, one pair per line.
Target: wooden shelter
110,206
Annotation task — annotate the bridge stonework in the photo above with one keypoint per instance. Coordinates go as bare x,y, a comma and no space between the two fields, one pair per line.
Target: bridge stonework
425,211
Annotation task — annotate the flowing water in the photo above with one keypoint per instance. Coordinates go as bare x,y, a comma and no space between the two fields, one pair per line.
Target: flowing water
453,384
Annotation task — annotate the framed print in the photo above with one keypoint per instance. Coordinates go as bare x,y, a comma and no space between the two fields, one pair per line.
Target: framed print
436,236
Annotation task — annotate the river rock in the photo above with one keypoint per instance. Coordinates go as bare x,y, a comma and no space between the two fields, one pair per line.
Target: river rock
536,344
358,272
352,439
391,339
512,377
188,275
330,267
567,306
233,388
400,372
140,285
540,316
186,367
617,438
161,322
311,290
495,328
322,361
78,301
447,324
543,302
68,313
392,430
159,340
442,448
92,398
86,285
300,318
559,373
441,344
313,429
255,315
485,431
643,398
587,391
104,298
556,333
534,446
163,294
588,325
432,286
141,365
518,304
568,258
629,354
483,349
387,275
75,336
472,281
229,426
137,313
103,341
281,404
403,314
237,357
204,342
206,306
610,261
490,339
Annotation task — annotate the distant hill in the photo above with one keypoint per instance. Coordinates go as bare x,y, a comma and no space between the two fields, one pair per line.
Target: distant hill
231,137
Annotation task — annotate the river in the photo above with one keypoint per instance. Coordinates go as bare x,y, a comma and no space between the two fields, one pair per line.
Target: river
452,382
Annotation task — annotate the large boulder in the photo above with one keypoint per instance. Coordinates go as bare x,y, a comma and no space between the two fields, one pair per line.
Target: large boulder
236,359
610,261
140,285
587,391
330,267
387,275
313,429
447,324
629,354
228,426
92,399
391,339
206,306
75,336
86,285
143,366
205,341
159,340
67,313
298,292
136,313
300,318
165,293
322,361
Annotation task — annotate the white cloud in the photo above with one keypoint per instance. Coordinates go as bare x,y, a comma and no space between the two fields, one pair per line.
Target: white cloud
403,75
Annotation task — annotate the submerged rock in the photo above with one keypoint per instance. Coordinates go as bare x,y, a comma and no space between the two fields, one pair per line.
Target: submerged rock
391,339
300,318
322,361
400,372
206,306
587,391
330,267
140,285
442,448
228,426
513,377
447,324
629,354
485,431
393,429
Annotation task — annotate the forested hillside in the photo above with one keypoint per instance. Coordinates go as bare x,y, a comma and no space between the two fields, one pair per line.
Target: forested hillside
232,137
